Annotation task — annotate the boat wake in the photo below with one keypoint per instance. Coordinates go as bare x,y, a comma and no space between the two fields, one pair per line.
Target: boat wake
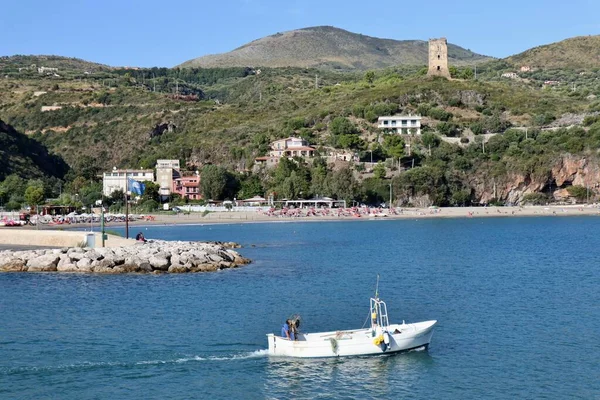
95,365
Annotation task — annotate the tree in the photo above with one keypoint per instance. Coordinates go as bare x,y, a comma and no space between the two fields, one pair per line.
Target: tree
250,187
394,146
430,139
342,126
370,76
379,170
213,182
448,129
151,192
13,185
350,142
343,184
34,196
89,167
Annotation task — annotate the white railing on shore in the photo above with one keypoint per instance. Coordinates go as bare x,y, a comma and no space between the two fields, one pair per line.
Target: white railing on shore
194,208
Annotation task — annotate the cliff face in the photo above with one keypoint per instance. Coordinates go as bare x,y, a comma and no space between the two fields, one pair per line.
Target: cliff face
567,171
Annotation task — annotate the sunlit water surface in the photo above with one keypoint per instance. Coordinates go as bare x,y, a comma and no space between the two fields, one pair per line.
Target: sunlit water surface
517,300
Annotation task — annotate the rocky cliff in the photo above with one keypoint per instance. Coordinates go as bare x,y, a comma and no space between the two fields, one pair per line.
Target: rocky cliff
567,171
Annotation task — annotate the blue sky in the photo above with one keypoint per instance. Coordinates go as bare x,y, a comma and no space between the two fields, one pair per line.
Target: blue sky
166,33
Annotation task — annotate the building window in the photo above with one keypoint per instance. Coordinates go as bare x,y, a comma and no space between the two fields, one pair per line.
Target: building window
438,68
135,174
385,122
413,122
404,122
393,123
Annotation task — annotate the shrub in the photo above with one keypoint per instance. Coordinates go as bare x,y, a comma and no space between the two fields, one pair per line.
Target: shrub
580,193
149,205
439,114
535,199
448,129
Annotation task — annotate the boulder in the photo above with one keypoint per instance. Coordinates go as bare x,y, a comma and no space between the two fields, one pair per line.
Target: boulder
75,255
159,263
67,267
45,262
145,267
11,264
177,269
103,264
206,267
84,263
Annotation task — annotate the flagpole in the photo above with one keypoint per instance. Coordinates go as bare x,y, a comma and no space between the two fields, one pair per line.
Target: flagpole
126,206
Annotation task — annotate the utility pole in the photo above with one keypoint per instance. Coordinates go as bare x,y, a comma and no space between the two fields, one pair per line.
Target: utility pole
126,207
475,71
413,163
316,81
587,201
390,206
525,133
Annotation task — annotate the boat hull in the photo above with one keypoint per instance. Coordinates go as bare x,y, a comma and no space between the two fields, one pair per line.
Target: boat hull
361,342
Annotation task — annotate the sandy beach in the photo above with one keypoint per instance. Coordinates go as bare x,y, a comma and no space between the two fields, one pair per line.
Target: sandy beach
63,235
402,213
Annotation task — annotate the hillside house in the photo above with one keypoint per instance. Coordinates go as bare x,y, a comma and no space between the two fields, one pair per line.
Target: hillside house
402,124
188,187
510,75
46,70
288,147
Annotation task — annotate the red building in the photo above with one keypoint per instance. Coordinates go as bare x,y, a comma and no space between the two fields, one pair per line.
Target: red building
187,187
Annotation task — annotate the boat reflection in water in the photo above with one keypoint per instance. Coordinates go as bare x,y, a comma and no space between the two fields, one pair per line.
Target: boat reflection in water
386,376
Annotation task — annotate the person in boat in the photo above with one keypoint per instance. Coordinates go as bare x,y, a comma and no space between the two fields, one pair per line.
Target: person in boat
140,237
286,330
295,327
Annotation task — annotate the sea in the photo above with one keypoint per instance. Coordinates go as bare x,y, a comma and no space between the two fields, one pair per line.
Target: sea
517,302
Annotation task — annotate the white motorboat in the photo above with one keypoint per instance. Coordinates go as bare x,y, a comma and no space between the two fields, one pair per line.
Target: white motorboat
381,338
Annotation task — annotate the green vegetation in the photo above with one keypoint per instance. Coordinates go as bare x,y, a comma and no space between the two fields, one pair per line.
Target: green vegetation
113,118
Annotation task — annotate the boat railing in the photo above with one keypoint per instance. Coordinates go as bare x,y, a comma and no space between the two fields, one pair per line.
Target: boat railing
379,313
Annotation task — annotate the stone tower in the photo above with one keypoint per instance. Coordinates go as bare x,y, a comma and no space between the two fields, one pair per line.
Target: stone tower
438,58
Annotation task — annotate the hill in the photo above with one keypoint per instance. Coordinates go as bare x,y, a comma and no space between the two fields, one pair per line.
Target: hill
131,119
330,47
13,63
27,157
582,52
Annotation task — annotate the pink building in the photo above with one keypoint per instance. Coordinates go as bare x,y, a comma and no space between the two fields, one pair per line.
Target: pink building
187,187
288,147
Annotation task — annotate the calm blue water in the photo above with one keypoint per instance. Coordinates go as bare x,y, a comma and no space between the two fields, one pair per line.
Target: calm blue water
518,304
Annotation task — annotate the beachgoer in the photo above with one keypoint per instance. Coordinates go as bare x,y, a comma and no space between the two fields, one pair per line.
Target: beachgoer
140,237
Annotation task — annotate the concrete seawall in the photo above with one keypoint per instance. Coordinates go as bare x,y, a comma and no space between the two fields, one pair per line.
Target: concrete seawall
55,238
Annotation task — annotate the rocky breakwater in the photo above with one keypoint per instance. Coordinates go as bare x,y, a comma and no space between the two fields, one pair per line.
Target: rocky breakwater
152,257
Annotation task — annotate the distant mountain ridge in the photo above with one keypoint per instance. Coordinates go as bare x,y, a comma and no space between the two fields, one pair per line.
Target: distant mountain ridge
50,61
577,52
330,47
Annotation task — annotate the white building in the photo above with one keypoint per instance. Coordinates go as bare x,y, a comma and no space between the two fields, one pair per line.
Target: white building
402,124
117,179
166,172
510,75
